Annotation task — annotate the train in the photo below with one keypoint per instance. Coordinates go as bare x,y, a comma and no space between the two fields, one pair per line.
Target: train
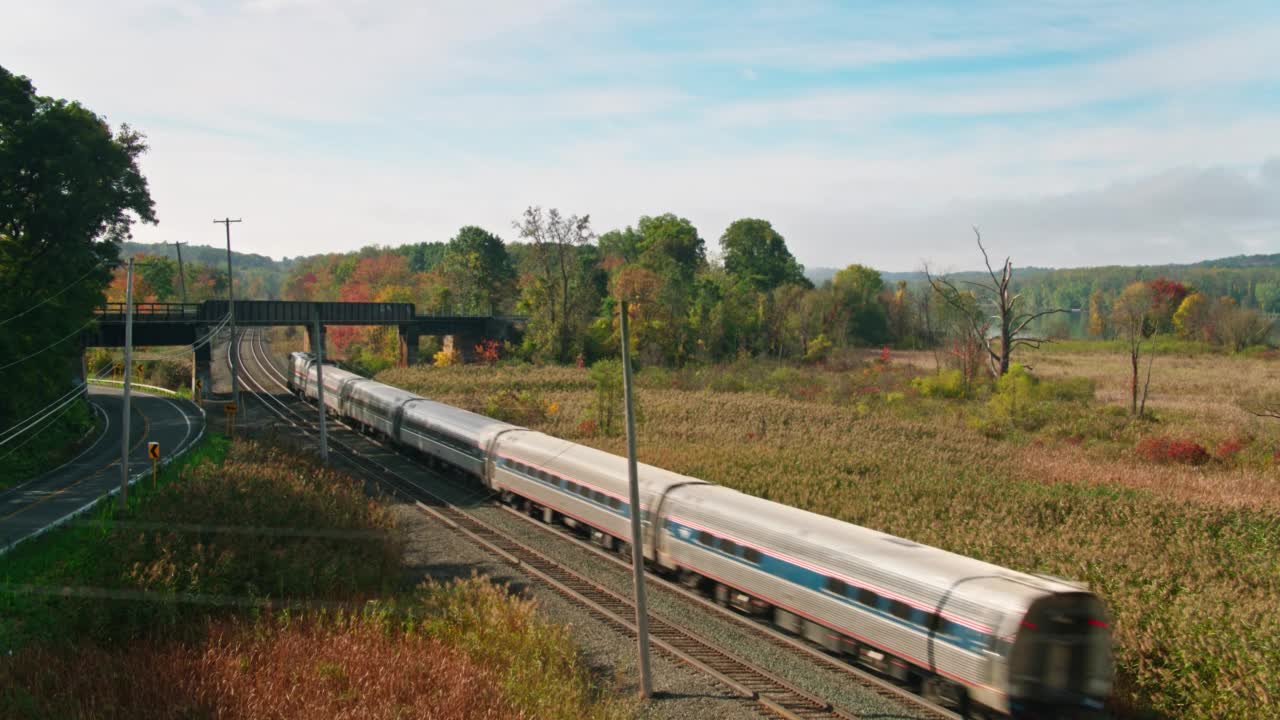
983,640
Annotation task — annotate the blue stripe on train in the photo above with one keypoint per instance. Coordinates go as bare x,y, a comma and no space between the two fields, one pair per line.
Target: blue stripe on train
950,633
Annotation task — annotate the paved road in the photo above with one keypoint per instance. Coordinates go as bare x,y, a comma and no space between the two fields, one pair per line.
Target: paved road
31,506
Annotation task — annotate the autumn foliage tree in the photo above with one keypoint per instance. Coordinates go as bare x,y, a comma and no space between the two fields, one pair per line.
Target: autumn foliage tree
1132,316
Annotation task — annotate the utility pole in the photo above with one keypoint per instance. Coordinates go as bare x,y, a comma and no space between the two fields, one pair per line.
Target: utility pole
316,329
231,308
633,481
128,365
182,276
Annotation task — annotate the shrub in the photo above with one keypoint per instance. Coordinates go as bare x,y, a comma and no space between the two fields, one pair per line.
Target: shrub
1072,389
522,408
946,384
1163,449
817,349
1229,448
447,357
487,351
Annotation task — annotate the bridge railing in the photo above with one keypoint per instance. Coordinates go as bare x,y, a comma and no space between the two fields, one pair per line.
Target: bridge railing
152,312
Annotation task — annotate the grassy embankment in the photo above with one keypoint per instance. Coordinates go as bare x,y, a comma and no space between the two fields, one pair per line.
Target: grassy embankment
253,583
1187,557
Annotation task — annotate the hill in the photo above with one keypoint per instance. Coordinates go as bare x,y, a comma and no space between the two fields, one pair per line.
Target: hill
211,255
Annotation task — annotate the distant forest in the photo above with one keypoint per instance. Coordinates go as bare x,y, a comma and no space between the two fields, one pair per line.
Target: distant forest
755,301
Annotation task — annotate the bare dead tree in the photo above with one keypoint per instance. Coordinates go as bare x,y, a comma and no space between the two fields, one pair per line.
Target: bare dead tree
1007,316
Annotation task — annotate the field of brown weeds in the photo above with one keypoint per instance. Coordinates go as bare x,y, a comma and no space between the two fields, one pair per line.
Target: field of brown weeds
1187,558
169,611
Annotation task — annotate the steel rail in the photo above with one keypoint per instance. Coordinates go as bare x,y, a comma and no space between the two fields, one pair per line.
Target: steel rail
875,683
746,679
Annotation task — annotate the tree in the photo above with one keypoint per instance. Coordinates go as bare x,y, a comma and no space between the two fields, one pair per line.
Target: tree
606,375
1131,315
1192,320
70,189
1011,321
155,278
423,256
556,240
1237,328
755,253
477,265
858,289
1097,315
1267,295
1166,297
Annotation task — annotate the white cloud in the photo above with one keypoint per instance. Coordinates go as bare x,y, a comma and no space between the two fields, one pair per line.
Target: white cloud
452,114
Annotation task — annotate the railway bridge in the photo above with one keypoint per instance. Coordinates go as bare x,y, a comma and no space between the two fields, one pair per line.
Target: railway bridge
157,324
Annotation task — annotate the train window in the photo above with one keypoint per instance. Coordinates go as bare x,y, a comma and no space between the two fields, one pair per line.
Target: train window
584,491
900,610
615,503
571,487
705,538
866,597
835,585
751,555
728,546
932,622
597,496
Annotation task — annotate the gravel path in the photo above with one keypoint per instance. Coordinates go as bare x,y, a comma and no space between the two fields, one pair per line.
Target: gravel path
434,551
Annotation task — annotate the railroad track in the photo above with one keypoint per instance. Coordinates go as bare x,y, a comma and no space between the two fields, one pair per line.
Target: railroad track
772,693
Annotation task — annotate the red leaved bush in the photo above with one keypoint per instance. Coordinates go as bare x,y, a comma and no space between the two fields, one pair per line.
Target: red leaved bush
1163,449
1229,448
343,667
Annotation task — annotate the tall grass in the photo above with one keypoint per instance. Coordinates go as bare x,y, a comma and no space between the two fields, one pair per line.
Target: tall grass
1186,558
180,613
228,523
461,650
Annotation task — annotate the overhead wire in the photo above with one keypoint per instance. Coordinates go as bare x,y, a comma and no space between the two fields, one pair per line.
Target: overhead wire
47,410
15,426
73,283
59,341
208,337
69,404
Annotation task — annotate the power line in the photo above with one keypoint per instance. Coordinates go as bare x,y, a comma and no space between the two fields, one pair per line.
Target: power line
17,430
55,295
36,434
63,339
66,407
208,337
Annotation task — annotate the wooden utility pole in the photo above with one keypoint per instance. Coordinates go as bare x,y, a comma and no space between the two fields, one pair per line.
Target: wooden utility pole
128,366
231,308
633,482
182,276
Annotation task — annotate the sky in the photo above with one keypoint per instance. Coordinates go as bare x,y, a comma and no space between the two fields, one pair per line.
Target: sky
1070,134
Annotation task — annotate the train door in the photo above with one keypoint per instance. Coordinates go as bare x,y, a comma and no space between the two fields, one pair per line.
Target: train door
1061,659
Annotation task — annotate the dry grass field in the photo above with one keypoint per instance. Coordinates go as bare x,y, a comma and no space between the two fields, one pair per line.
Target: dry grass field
177,644
1187,557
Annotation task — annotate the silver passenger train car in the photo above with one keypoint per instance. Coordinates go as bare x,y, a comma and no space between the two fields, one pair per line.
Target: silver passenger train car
980,638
